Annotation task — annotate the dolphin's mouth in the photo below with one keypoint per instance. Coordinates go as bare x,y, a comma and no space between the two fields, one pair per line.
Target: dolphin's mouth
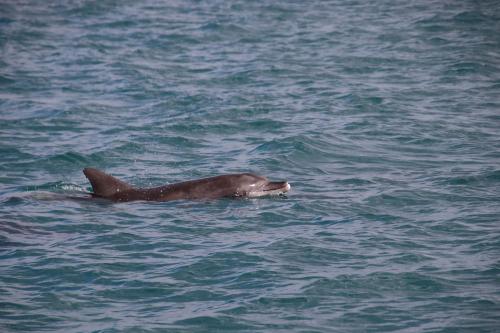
271,188
276,186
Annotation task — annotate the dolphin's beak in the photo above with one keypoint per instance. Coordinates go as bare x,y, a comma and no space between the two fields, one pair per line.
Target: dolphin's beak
277,186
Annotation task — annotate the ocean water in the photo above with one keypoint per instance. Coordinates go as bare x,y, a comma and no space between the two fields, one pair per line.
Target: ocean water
383,115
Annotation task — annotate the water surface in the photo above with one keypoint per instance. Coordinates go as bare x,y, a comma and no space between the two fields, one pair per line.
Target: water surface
383,116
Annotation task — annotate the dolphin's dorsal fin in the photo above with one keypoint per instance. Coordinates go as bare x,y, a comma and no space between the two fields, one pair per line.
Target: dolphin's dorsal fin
103,184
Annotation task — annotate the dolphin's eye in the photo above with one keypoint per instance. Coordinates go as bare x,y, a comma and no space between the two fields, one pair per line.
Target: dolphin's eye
240,194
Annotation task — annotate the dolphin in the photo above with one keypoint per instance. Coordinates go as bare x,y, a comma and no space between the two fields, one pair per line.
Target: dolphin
231,186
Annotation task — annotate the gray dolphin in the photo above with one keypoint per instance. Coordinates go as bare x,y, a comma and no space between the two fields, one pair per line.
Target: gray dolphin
235,185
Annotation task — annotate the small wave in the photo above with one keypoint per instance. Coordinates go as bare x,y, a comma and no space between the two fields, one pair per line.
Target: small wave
58,187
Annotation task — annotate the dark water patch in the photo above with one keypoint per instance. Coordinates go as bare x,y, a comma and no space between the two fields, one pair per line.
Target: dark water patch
485,178
217,267
117,24
464,68
470,17
64,161
202,323
5,80
11,154
378,284
399,198
13,227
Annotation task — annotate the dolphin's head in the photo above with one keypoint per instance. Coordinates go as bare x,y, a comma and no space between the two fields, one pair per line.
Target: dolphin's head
252,186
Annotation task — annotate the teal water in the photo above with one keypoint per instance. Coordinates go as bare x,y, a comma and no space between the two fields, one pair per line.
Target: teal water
384,116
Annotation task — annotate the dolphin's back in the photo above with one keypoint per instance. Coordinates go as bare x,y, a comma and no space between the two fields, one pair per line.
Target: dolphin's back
103,184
